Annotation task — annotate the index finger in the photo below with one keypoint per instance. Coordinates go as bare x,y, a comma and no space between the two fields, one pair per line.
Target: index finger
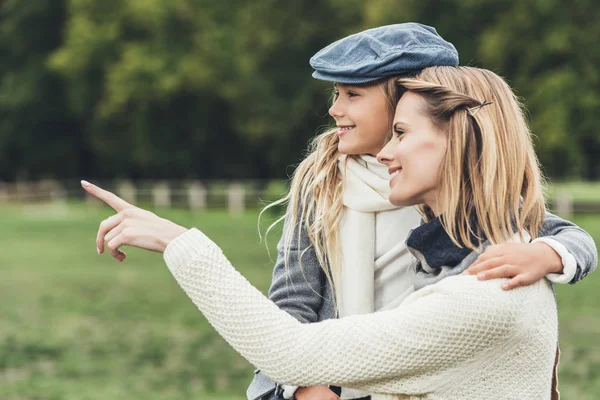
117,203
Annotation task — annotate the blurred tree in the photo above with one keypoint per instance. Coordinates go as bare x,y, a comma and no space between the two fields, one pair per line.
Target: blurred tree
183,88
546,49
193,88
38,135
549,51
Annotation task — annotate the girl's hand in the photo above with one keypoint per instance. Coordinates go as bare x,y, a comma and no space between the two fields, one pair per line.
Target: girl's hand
131,226
525,263
315,393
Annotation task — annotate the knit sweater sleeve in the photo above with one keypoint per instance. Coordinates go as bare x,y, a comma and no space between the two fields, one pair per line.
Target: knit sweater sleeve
405,350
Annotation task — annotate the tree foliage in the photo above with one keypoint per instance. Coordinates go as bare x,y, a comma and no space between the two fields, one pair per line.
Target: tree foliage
198,88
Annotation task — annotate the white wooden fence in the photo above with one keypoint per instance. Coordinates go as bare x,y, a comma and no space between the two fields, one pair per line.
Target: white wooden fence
195,195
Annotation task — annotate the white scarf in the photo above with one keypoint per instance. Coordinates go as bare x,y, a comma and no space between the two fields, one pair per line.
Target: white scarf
376,266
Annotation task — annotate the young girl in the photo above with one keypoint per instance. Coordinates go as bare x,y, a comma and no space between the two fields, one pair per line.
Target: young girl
461,149
342,238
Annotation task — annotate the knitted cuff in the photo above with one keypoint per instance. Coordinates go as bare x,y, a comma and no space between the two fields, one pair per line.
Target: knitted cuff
569,263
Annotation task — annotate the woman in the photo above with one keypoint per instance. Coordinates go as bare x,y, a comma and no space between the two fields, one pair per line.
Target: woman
458,338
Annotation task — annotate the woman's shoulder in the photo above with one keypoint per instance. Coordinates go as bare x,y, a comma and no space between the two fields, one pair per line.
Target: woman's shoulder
467,283
468,292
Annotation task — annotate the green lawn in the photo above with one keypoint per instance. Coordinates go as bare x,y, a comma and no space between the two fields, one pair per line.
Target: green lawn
587,192
76,325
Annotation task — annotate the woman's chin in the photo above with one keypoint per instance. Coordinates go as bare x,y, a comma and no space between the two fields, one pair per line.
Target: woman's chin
400,201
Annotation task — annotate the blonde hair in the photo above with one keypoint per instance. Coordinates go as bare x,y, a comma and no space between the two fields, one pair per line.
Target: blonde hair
315,198
490,180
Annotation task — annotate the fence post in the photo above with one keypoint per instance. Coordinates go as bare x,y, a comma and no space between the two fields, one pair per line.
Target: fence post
52,190
24,191
127,191
236,199
564,203
3,192
197,196
161,195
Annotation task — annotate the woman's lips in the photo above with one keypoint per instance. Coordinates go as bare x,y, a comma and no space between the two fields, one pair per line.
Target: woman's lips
394,175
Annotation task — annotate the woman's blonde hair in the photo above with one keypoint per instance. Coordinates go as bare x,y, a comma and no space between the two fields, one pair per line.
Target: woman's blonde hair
315,198
490,180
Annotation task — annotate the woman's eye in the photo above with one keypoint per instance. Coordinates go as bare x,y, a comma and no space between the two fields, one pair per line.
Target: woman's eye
352,94
398,133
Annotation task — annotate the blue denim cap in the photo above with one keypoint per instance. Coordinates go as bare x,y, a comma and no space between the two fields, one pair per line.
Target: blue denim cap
384,51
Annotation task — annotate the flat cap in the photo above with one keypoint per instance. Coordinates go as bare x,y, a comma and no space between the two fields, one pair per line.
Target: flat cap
381,52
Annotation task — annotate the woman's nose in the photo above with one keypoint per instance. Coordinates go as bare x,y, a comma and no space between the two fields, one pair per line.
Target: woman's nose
384,156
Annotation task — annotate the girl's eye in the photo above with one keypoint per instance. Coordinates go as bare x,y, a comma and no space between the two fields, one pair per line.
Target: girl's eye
336,94
398,133
352,94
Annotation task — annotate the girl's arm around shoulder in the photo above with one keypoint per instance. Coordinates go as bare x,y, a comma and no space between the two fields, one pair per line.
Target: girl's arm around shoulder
574,245
563,253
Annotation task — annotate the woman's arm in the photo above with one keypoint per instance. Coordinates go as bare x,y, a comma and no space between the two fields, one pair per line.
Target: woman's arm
402,351
411,349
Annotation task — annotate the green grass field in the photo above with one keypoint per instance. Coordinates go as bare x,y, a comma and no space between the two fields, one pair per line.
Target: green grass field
76,325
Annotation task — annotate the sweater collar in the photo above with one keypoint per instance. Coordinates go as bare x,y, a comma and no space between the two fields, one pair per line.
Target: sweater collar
433,247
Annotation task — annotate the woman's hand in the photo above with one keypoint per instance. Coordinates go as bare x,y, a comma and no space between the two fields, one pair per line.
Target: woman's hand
315,393
131,226
525,263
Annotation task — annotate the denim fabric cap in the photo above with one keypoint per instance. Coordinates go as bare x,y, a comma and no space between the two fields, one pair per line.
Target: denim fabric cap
384,51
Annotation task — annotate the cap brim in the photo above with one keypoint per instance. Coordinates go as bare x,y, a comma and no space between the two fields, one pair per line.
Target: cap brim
344,79
359,79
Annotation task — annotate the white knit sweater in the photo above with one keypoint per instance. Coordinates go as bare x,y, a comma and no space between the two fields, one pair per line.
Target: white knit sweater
458,339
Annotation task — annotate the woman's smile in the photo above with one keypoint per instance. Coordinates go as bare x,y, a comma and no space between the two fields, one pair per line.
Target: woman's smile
394,173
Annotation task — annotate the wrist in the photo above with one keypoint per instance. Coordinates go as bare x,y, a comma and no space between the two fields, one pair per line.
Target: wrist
554,261
171,233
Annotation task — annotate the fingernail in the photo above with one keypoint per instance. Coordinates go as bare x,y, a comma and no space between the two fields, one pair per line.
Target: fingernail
98,250
505,286
86,183
481,275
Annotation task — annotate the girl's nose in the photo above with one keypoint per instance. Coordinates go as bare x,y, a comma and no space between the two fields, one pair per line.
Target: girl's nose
335,110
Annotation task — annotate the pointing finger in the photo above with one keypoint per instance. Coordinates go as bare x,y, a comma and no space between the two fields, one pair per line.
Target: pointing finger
117,203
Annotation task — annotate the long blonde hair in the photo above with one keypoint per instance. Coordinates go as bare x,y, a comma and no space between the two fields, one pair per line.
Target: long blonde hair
315,198
490,180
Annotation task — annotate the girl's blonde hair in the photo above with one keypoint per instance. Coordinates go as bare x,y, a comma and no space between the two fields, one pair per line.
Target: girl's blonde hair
490,180
315,198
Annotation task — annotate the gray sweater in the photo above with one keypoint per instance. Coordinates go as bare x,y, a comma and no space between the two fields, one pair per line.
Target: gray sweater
306,295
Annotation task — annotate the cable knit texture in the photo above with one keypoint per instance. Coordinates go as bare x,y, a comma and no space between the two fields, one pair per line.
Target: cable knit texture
457,339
